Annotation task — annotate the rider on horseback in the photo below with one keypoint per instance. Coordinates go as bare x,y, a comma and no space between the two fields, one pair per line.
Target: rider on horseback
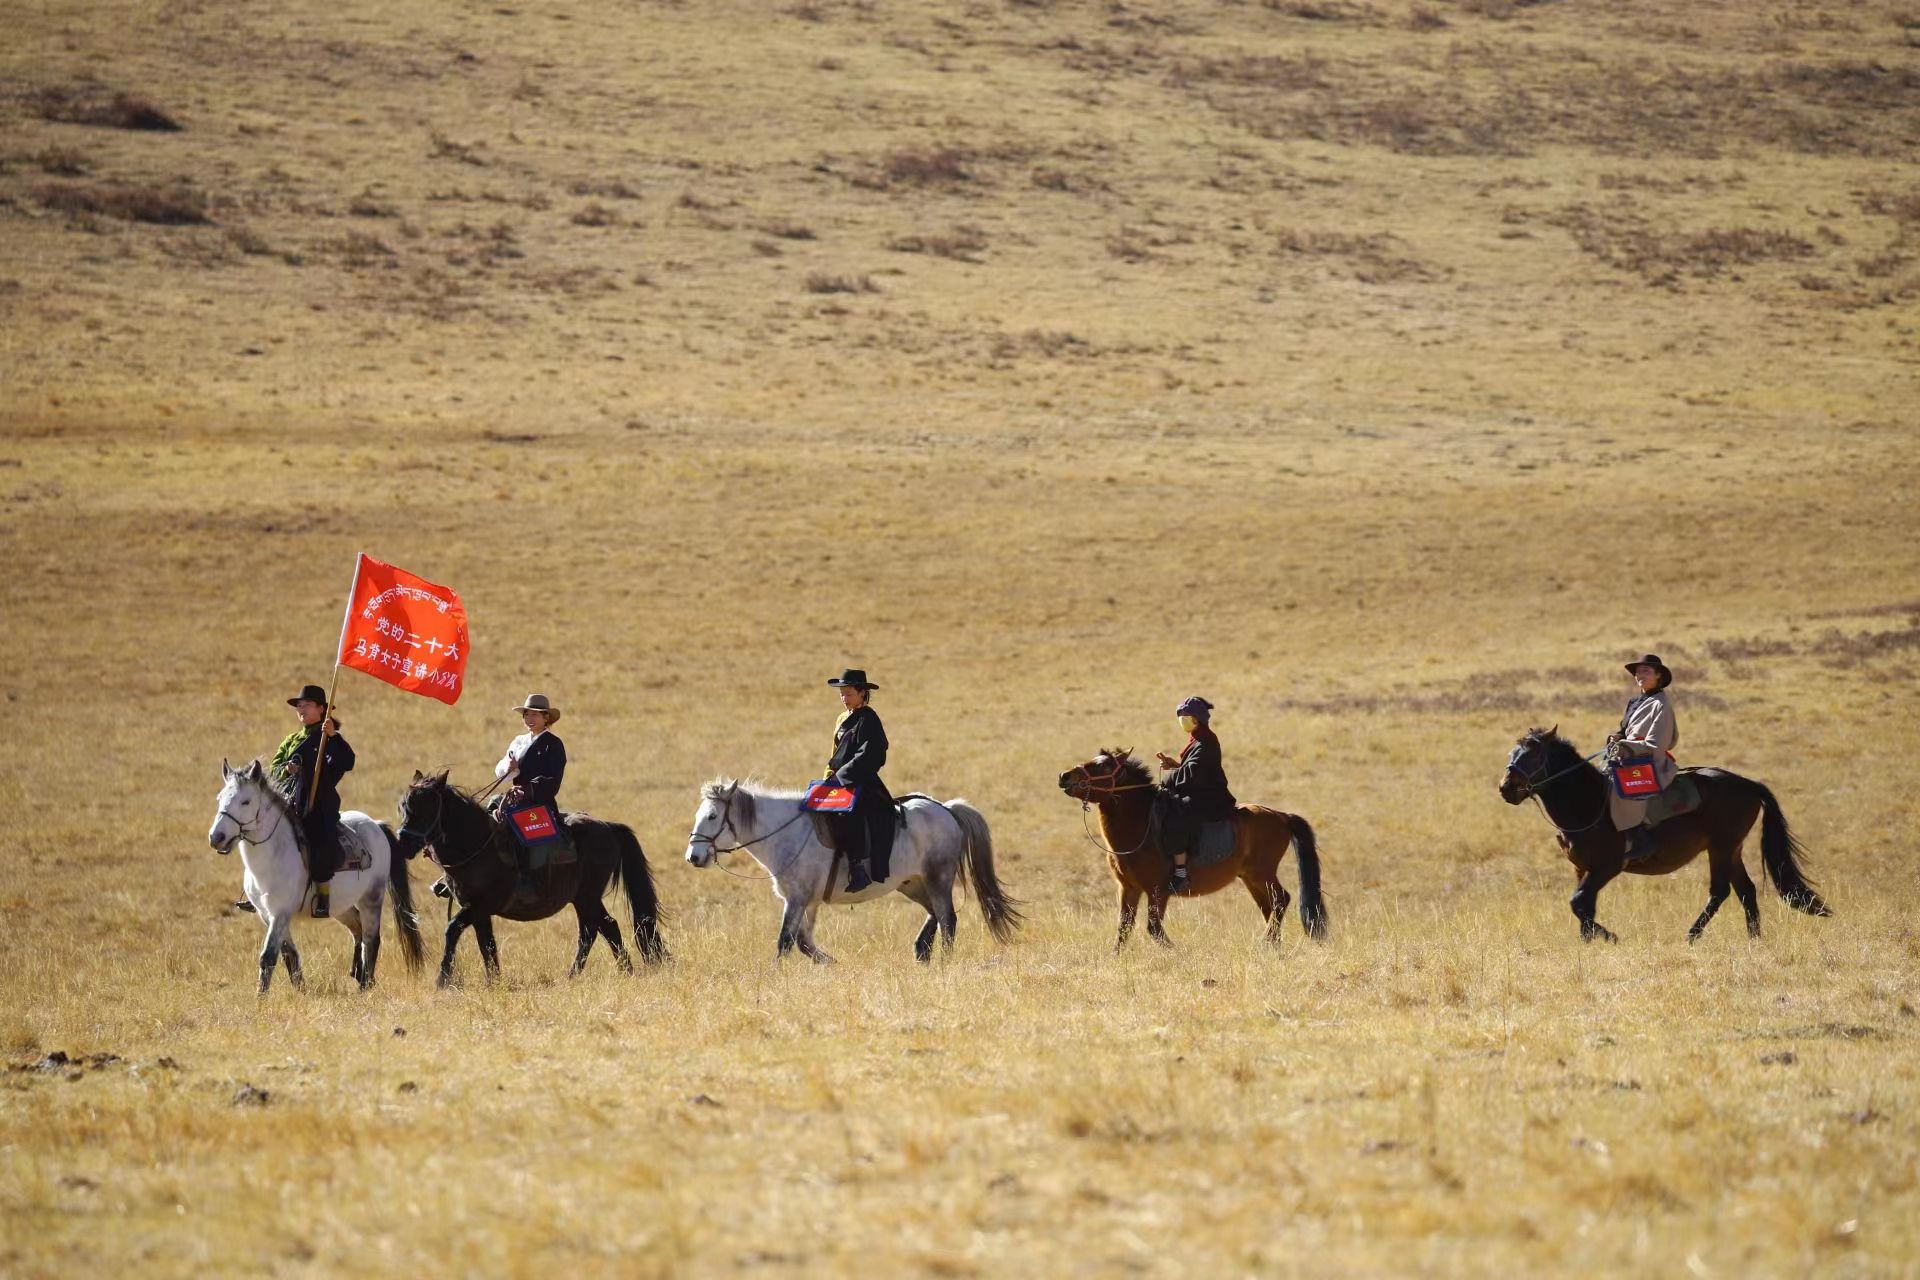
293,769
1194,790
1647,728
533,768
859,753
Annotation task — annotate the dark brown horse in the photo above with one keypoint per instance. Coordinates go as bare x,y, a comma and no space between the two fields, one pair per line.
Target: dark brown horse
1575,796
476,851
1122,790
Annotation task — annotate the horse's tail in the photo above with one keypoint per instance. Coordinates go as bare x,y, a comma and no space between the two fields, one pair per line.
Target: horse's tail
1001,913
1313,908
633,873
400,888
1780,852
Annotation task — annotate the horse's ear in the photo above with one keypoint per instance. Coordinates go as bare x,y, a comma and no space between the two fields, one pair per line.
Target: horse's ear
226,770
417,775
1554,732
255,771
440,778
1125,753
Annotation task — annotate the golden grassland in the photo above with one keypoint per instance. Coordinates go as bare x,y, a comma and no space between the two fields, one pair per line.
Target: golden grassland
1389,372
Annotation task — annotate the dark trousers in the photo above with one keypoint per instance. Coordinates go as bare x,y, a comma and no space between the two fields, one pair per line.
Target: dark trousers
1178,825
323,844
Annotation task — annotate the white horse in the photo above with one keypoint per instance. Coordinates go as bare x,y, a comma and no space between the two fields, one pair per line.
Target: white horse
257,817
935,846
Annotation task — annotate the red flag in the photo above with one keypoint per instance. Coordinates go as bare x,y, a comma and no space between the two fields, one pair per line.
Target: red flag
405,630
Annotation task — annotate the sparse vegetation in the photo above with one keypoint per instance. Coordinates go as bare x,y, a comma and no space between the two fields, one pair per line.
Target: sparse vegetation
824,282
129,202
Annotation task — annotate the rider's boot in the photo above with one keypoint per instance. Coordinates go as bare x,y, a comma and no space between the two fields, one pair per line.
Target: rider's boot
858,877
1178,882
1639,843
322,899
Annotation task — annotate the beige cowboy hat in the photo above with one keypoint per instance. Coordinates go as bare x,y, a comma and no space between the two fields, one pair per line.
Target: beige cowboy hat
540,702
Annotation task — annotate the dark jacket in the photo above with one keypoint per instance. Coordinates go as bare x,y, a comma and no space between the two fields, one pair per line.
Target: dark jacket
1200,779
339,762
859,753
542,767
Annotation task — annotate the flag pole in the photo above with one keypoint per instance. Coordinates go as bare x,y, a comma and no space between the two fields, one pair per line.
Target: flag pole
346,619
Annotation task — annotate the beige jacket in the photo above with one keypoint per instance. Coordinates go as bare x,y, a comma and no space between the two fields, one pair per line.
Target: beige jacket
1647,729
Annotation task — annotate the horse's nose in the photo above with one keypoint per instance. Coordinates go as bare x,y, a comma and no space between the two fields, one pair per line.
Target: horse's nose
1066,780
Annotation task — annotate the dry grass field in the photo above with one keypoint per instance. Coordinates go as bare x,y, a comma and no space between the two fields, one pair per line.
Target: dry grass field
1389,372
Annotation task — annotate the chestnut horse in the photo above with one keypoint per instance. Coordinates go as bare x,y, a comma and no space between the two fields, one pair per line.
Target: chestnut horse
1573,793
1122,790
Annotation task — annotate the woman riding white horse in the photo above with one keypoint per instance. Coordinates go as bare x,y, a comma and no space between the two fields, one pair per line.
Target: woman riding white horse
936,846
261,821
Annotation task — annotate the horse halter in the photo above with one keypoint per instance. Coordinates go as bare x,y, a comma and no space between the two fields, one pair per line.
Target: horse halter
1110,782
240,828
429,838
1531,781
696,836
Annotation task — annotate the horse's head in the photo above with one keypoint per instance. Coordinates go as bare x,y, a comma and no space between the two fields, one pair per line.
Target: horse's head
1105,776
715,815
244,799
423,811
1528,764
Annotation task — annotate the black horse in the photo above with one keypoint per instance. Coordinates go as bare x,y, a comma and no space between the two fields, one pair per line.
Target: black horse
477,853
1574,793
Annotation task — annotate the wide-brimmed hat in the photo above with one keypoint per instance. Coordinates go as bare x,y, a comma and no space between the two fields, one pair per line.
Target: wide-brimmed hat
540,702
309,693
853,677
1652,660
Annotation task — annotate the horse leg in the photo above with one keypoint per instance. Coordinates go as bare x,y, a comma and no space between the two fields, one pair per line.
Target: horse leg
808,947
789,927
489,949
1586,897
455,927
349,917
1129,903
1743,888
1717,882
290,957
943,912
611,932
923,940
1156,914
588,928
270,951
1264,897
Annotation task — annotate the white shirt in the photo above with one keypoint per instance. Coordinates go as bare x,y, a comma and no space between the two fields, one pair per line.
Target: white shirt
515,749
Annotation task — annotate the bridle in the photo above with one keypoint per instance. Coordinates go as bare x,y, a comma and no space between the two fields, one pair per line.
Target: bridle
428,838
726,824
1531,786
240,828
1110,786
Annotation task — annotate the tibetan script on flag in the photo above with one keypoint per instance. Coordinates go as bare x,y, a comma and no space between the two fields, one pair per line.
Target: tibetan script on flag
405,630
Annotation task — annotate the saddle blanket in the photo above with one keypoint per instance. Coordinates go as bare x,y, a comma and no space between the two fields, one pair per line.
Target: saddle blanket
556,851
353,855
1213,844
1681,798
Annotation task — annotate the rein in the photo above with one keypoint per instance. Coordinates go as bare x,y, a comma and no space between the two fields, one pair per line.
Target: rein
1110,787
438,826
240,828
1533,793
726,824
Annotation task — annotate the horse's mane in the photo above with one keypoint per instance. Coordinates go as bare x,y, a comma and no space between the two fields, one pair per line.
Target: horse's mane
743,794
282,799
1561,754
1132,772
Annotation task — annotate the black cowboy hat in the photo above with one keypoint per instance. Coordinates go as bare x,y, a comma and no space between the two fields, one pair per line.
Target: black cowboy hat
853,677
1652,660
311,693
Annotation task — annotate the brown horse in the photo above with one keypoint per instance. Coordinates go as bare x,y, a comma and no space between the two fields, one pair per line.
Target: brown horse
1122,790
1574,794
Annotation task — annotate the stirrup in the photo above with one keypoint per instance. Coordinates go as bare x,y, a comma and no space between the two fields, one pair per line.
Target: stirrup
858,877
1640,846
321,899
1179,881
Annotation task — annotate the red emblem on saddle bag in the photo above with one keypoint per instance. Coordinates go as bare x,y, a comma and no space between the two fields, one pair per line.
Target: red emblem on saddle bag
534,824
1635,778
829,797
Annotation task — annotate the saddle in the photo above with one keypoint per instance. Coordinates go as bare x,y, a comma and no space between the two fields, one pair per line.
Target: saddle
880,860
1212,841
1682,796
354,856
